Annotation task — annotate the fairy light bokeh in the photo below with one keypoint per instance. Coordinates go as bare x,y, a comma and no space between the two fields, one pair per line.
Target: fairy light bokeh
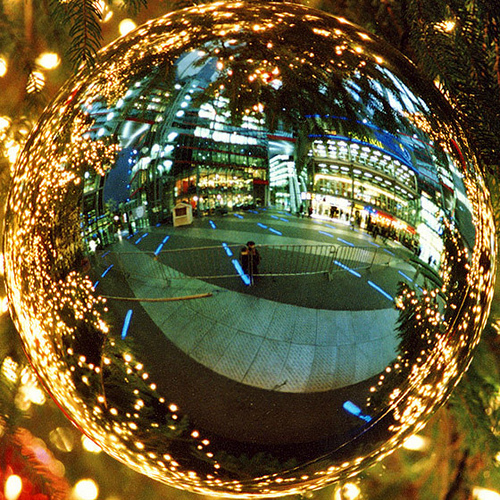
361,317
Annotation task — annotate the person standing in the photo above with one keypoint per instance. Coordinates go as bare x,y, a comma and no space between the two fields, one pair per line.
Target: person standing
253,258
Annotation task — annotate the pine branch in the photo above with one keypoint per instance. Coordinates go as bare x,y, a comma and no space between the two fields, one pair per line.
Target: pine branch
134,6
83,18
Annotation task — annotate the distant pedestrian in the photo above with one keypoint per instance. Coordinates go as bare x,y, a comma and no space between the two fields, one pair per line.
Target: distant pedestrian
245,259
253,258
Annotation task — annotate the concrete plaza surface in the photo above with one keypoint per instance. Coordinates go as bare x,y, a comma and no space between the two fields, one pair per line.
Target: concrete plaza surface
295,334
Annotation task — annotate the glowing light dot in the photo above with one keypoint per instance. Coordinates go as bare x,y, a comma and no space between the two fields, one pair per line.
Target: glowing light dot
48,60
86,489
3,66
13,487
126,26
90,446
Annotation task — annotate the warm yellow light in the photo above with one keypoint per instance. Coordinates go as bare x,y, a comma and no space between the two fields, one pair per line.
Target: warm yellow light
446,26
36,82
35,395
126,26
348,491
85,489
106,12
12,150
3,66
13,487
416,443
484,494
48,60
90,446
449,26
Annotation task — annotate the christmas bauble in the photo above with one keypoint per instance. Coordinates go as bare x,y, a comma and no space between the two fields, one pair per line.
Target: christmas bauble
250,251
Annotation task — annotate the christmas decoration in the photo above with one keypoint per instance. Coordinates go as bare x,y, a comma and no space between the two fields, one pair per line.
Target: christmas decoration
28,470
250,252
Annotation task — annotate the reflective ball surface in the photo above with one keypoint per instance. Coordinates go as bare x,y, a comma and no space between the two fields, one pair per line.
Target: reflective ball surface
250,251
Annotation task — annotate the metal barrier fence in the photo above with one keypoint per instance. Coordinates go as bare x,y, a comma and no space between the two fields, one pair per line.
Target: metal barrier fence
224,261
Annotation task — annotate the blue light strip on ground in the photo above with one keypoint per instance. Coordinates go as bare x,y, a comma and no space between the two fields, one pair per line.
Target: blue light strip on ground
274,217
254,211
212,223
284,220
346,242
351,408
374,244
141,238
160,246
275,231
389,252
227,250
95,284
126,323
326,234
239,216
352,271
261,225
105,253
383,292
405,276
239,270
106,271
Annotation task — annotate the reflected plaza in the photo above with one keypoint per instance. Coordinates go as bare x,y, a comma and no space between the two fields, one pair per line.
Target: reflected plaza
152,323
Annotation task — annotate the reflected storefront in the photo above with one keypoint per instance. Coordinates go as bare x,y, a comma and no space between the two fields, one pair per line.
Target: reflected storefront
236,348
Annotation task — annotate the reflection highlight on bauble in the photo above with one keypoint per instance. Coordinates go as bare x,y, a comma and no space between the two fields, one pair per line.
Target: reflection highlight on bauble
251,251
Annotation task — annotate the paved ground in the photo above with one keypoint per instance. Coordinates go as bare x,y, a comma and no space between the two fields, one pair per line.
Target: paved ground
321,337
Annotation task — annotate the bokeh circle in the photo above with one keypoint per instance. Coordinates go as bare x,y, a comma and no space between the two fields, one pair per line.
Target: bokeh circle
250,252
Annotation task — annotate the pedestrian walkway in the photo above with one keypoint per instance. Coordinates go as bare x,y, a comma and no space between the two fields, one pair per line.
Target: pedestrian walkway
266,343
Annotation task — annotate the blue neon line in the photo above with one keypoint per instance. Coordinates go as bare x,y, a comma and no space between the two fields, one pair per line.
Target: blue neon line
105,253
254,211
274,217
346,242
141,238
383,292
351,408
405,276
95,284
389,252
160,246
326,234
159,224
239,270
284,220
227,250
126,323
374,244
106,271
239,216
212,223
275,231
329,225
261,225
343,266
